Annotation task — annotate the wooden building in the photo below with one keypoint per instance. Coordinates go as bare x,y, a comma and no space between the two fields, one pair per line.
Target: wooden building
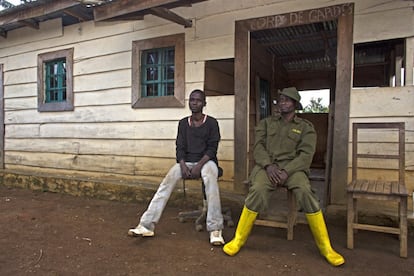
111,124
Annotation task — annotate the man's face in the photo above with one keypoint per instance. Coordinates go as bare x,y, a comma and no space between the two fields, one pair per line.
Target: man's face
286,104
196,102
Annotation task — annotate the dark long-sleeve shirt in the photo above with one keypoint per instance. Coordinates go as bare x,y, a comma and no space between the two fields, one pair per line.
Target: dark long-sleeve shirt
193,143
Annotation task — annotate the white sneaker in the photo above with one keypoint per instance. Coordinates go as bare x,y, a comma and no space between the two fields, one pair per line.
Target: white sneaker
140,231
216,238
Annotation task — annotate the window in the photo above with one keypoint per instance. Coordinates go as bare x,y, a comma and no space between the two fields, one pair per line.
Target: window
55,89
158,72
219,77
379,63
157,69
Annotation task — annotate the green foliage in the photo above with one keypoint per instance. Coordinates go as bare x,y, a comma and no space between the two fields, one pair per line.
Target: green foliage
315,106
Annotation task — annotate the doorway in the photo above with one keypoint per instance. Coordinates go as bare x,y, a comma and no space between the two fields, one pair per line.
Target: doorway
295,49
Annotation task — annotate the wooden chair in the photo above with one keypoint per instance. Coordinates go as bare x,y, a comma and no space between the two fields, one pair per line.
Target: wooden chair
383,190
289,220
199,216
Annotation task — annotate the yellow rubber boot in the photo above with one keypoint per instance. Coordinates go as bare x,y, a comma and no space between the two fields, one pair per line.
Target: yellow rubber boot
243,229
320,234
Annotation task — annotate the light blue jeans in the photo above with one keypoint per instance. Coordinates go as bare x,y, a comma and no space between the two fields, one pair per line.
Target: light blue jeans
209,174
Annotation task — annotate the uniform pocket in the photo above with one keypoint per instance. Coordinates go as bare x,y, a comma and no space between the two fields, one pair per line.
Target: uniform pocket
294,136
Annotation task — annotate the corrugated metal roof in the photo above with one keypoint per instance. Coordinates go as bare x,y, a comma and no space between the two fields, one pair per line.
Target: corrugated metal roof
311,46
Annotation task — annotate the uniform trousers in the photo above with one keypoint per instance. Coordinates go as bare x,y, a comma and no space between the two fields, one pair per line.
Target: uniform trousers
261,190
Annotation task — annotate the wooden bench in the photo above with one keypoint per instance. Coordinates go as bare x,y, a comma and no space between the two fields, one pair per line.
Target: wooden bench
382,190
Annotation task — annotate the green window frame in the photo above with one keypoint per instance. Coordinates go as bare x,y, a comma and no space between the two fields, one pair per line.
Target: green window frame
55,81
158,72
157,69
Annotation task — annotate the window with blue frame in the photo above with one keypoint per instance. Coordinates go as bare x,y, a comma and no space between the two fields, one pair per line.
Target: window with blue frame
158,72
55,81
157,69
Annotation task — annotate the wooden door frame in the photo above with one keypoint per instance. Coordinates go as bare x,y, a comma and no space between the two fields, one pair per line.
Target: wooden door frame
1,117
344,14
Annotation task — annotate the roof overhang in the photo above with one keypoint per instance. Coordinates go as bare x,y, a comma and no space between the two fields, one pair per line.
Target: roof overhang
74,11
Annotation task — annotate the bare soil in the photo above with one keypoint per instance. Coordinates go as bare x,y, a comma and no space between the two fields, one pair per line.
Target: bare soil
44,233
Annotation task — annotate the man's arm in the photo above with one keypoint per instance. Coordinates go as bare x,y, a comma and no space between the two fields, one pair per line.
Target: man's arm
260,153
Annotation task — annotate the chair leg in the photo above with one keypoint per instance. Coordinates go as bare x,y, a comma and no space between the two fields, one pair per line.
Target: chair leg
350,223
403,227
292,213
355,203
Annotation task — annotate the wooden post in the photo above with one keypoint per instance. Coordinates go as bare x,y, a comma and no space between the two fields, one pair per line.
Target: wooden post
1,118
409,61
339,173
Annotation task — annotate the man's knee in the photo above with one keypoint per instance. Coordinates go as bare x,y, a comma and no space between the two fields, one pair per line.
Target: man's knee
209,169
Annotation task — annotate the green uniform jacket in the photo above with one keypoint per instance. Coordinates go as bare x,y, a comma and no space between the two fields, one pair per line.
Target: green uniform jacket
291,145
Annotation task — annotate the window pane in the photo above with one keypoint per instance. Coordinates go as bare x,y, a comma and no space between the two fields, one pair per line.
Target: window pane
170,72
152,57
170,89
152,73
152,90
169,56
55,80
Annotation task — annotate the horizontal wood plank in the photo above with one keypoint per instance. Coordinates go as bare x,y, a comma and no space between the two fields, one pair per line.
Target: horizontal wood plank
126,147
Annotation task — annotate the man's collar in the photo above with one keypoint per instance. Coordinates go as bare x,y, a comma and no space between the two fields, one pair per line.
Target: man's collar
295,117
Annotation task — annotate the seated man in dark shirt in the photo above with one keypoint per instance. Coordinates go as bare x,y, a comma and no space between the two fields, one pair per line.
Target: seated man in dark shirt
196,153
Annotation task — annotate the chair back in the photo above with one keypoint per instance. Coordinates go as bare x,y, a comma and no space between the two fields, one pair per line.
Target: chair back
378,141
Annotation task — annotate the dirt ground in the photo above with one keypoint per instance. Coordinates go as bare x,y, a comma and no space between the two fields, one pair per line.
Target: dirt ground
55,234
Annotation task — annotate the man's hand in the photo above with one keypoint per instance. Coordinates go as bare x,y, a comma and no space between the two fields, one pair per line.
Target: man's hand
185,171
196,171
283,176
276,176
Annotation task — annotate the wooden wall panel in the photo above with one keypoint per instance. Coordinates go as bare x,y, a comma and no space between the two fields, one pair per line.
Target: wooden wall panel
382,25
26,75
194,72
120,130
209,49
20,90
105,97
384,102
124,147
219,107
105,80
106,63
47,30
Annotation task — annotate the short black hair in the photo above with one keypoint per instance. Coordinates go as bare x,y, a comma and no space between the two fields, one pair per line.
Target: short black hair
201,92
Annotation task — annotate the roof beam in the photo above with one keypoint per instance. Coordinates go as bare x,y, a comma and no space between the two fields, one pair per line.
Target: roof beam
36,11
81,16
123,7
126,17
169,15
30,23
3,33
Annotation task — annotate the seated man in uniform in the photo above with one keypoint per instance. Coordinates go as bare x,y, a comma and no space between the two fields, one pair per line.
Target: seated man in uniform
196,153
283,152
